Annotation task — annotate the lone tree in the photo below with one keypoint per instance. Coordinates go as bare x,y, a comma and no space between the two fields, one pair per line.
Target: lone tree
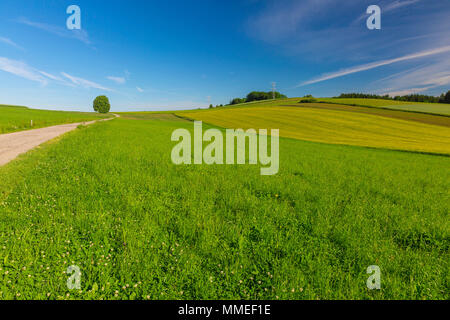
101,104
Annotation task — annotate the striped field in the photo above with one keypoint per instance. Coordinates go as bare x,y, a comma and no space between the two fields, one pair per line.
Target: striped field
334,126
435,108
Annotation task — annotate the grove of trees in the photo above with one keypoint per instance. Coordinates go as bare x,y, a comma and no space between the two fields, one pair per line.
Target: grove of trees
258,95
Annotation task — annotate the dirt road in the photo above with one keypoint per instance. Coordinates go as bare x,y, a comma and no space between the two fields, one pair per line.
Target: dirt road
16,143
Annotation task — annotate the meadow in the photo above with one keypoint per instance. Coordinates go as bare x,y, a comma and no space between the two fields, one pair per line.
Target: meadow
108,199
15,118
315,122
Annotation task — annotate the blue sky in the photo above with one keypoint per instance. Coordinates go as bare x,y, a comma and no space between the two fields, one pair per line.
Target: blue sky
161,55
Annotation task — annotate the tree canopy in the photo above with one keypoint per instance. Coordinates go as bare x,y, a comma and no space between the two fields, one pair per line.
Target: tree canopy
101,104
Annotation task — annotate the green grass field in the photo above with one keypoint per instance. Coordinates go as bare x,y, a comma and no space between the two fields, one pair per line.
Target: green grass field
107,198
13,118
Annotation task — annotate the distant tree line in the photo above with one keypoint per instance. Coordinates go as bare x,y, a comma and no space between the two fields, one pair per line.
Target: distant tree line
443,98
308,99
258,95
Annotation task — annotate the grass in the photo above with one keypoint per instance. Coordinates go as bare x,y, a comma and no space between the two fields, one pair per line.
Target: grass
335,126
13,118
108,199
433,108
150,116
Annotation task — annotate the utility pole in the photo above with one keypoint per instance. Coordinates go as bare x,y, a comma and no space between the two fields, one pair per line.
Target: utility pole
274,86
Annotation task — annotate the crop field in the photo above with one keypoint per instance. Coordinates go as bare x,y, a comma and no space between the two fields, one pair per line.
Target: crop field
107,198
328,125
433,119
435,108
418,107
14,118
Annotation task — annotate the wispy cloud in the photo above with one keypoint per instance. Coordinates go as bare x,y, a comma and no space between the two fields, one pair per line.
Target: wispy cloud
21,69
373,65
388,7
118,80
11,43
80,35
324,31
84,83
51,76
140,89
277,22
432,75
398,4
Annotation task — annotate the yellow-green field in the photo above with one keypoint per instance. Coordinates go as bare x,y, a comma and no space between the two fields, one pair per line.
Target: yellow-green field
333,126
436,108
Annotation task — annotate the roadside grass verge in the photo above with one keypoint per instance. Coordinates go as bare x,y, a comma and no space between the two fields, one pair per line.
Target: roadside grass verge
14,118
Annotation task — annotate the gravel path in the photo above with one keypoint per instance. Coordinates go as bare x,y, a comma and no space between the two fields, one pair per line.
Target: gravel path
16,143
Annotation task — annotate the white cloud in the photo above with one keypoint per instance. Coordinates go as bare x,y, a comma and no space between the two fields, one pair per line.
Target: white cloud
21,69
278,22
373,65
84,83
432,75
50,76
118,80
325,32
140,89
80,35
398,4
11,43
